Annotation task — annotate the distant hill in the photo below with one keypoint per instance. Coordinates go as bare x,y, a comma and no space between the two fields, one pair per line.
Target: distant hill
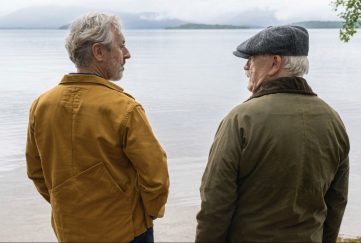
38,17
134,21
64,27
211,26
55,17
320,24
50,17
59,17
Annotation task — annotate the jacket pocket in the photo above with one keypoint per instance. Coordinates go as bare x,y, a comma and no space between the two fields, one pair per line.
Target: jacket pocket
89,206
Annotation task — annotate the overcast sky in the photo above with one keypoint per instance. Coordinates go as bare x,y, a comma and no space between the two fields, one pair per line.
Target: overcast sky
196,10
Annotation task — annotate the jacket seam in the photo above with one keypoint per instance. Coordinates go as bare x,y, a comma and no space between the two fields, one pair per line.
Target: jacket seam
72,135
124,122
304,137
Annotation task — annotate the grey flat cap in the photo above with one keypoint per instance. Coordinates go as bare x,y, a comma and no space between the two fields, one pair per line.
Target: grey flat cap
279,40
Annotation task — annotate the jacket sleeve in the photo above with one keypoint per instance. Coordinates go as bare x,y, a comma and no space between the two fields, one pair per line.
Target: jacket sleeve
33,160
149,160
220,184
336,200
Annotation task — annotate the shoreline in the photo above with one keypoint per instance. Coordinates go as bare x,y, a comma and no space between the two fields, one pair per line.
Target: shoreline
26,215
348,239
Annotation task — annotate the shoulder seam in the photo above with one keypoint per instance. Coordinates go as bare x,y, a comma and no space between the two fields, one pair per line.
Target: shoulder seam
127,115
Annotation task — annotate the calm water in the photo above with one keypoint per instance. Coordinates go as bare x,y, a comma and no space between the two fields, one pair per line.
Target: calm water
187,81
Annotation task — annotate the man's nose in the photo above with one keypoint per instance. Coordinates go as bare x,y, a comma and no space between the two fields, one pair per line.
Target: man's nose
126,53
246,66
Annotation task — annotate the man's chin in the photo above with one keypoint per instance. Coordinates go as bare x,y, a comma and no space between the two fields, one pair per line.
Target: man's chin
250,87
117,77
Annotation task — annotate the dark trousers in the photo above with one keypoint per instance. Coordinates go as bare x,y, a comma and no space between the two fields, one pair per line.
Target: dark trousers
146,237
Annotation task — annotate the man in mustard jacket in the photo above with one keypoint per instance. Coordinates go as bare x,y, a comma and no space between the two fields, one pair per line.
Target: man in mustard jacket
278,167
90,149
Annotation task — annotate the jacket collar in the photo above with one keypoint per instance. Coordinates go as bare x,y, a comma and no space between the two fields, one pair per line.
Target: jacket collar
294,85
89,78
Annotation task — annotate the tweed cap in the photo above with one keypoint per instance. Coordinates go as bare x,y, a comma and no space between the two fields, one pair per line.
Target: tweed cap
279,40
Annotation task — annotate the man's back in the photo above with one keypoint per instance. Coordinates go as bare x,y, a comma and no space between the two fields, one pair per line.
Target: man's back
278,166
280,154
288,169
93,141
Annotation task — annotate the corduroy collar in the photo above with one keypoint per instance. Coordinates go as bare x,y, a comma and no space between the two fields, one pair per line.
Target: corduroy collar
294,85
88,78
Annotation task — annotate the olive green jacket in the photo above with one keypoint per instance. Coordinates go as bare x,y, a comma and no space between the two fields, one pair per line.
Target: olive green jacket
92,154
277,170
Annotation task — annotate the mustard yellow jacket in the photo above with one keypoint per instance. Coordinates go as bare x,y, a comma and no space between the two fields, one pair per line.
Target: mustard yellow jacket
92,154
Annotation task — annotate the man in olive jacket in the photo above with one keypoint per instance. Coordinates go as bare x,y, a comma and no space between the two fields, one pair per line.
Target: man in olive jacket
91,151
278,167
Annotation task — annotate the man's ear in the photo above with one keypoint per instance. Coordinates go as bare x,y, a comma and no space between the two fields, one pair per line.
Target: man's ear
276,65
98,52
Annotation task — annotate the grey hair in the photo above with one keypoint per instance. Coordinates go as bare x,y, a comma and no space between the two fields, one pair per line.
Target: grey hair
296,65
87,30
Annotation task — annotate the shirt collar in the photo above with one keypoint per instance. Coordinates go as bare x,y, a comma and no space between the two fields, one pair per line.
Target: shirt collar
77,78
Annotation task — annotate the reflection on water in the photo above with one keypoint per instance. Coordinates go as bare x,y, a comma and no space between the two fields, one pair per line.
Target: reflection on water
186,81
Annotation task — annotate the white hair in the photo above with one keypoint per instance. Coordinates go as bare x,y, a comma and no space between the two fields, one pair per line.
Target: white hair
87,30
296,65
